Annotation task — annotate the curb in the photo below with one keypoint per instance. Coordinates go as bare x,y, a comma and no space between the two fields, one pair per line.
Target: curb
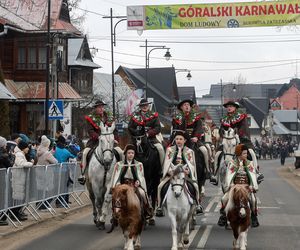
63,214
296,172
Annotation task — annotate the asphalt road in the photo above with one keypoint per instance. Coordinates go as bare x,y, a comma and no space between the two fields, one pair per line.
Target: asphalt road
279,216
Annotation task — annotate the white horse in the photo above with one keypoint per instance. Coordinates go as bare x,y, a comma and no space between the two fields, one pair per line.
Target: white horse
99,173
229,141
180,208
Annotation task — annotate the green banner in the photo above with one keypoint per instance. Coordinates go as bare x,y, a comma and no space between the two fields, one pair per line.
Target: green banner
222,15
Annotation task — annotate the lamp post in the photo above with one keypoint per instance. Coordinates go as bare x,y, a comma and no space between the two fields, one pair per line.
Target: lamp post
222,94
113,43
147,54
188,76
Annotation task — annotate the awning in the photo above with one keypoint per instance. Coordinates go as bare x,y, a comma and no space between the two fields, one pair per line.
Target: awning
5,94
35,91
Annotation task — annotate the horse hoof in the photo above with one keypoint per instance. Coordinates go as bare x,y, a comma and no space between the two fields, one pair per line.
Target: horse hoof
151,222
100,225
137,247
186,241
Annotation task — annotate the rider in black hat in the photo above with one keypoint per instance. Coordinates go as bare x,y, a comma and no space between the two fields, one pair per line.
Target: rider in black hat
145,119
93,120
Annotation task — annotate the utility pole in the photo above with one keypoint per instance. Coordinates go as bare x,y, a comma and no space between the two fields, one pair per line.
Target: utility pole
47,70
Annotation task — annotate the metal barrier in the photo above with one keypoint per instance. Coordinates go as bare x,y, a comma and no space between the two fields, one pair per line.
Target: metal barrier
38,187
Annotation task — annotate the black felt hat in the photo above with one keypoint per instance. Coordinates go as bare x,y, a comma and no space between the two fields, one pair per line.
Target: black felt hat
232,103
99,103
180,132
184,101
144,102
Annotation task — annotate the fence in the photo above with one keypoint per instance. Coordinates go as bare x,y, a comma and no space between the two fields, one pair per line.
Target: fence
38,187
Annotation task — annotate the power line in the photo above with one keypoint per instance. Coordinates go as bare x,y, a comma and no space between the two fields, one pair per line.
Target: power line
207,42
92,12
138,65
201,61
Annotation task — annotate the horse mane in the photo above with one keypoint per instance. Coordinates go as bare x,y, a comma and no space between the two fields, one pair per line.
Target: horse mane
132,199
238,190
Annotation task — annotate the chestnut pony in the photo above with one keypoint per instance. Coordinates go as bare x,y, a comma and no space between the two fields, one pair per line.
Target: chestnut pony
127,212
238,214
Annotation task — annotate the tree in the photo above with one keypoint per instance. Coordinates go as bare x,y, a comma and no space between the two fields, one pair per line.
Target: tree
76,19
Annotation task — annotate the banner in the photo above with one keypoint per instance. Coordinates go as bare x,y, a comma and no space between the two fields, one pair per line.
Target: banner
221,15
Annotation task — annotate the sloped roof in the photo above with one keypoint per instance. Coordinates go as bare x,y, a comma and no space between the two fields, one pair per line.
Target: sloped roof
257,107
286,86
5,94
37,90
161,84
286,115
187,92
32,15
74,47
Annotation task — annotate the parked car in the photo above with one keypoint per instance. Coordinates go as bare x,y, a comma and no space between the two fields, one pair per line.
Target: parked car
297,156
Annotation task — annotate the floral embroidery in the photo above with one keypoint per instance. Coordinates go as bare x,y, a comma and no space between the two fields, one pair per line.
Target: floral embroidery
141,119
190,118
95,120
232,169
231,119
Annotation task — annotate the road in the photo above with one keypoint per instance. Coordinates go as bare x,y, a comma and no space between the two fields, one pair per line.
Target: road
279,216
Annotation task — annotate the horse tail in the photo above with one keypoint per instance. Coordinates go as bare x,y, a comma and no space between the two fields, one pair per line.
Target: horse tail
114,223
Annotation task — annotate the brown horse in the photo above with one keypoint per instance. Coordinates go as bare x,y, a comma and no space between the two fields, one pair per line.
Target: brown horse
128,214
238,214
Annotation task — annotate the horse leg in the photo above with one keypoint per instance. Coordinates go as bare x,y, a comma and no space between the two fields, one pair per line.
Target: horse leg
105,206
137,245
242,242
186,234
130,243
236,236
92,198
99,224
174,230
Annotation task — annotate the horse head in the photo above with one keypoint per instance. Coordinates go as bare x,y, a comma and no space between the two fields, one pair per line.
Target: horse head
106,143
239,200
230,141
178,180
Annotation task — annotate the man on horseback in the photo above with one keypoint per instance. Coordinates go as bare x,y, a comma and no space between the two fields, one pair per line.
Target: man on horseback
189,120
147,121
240,171
179,154
94,120
237,120
131,172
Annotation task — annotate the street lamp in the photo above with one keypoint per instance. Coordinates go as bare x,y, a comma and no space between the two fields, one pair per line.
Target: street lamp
147,54
113,43
222,95
188,76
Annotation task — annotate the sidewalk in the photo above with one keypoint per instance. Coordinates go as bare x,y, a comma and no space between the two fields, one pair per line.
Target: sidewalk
293,170
45,216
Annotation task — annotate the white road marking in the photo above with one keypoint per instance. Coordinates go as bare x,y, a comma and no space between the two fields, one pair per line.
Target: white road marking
217,209
211,203
269,207
192,235
279,201
258,200
204,237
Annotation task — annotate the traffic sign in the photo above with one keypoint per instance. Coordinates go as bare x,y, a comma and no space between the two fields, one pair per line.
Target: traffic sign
56,110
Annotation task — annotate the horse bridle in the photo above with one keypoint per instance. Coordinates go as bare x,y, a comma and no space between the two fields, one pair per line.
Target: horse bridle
176,184
138,139
105,150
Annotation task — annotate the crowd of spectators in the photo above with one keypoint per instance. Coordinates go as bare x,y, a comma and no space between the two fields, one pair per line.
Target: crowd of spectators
20,151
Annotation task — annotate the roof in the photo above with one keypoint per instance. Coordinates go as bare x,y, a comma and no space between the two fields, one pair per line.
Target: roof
187,92
209,102
75,45
257,107
244,90
293,82
161,84
33,91
5,94
286,115
32,15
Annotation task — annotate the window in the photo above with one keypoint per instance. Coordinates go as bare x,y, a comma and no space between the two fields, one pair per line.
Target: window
42,58
21,58
31,58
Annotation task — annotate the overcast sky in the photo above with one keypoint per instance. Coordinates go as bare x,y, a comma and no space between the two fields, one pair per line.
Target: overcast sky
207,61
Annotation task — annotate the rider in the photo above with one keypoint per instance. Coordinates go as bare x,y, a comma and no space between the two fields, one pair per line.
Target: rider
240,171
179,154
144,119
131,172
94,120
189,120
236,119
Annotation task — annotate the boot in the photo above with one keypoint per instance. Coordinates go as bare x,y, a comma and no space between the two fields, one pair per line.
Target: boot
260,177
223,219
159,212
81,179
254,220
199,209
213,180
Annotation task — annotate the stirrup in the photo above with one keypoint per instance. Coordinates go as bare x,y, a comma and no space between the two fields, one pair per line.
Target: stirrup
159,212
222,221
81,180
199,209
254,221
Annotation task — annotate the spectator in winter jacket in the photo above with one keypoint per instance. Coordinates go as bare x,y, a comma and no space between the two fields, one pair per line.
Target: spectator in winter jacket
6,161
13,142
44,155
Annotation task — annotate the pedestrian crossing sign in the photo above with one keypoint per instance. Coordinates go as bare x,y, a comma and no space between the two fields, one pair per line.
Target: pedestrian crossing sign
56,110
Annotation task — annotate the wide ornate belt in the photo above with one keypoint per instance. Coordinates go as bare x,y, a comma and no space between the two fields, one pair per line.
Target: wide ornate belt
242,179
